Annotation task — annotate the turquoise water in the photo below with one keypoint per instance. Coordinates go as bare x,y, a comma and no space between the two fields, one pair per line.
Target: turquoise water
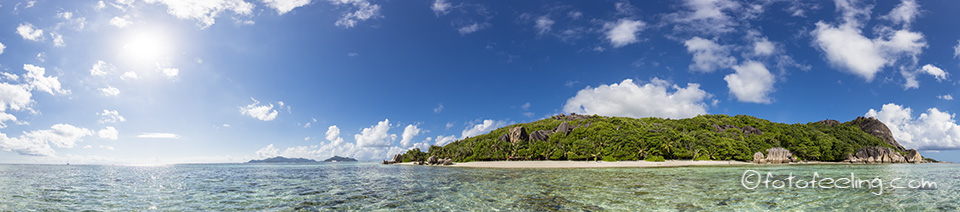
369,186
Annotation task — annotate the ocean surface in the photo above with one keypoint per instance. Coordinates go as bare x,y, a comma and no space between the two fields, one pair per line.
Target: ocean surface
375,187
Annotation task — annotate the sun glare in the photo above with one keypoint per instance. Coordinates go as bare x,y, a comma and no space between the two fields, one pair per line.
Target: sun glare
146,47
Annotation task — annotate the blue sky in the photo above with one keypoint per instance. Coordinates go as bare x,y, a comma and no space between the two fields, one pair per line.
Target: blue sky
170,81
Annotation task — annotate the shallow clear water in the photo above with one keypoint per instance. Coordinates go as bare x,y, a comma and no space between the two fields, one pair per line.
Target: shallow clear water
369,186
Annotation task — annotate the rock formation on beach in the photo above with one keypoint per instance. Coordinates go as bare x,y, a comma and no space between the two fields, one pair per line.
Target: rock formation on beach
774,155
883,155
876,128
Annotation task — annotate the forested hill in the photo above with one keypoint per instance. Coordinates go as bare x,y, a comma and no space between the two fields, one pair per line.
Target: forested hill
705,137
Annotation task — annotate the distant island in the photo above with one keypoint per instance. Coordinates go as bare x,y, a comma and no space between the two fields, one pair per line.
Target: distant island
702,138
280,159
340,159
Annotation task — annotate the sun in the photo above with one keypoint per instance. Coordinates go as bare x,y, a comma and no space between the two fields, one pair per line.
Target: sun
146,47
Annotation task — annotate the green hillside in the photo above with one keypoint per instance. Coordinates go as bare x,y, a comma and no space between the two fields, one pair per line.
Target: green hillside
697,138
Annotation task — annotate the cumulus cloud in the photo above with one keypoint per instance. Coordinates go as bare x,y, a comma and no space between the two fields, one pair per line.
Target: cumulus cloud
57,39
480,128
904,13
109,91
630,99
36,79
101,68
261,112
945,97
440,7
37,142
129,75
284,6
705,16
120,22
171,73
2,47
362,10
29,32
333,135
204,12
110,116
159,135
846,47
376,135
752,82
623,32
14,97
408,133
471,28
110,133
910,76
932,130
708,56
444,140
934,71
763,47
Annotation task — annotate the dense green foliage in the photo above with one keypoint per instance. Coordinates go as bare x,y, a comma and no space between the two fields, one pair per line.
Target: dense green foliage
619,138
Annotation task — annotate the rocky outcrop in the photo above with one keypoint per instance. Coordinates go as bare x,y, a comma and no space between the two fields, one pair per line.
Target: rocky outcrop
914,157
433,160
447,162
563,128
758,158
876,155
517,134
540,135
829,122
746,130
398,158
779,155
876,128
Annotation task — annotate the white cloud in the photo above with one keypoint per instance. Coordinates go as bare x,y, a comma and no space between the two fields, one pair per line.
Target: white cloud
352,54
38,142
108,132
159,135
440,7
439,108
763,47
846,47
109,91
268,152
205,12
5,117
408,133
376,135
904,13
261,112
364,10
14,97
624,32
706,16
171,73
284,6
934,71
2,47
129,75
100,5
327,150
111,116
444,140
449,125
945,97
910,76
480,128
120,22
632,100
933,130
29,32
57,39
333,135
543,25
956,50
752,82
471,28
35,77
41,57
101,68
708,56
525,106
87,146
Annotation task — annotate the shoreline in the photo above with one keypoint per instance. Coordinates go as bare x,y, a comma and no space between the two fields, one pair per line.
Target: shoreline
553,164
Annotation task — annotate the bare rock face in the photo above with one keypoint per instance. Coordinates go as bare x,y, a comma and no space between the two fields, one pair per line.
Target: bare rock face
758,158
398,158
505,137
563,128
517,134
447,162
877,155
829,122
540,135
778,155
751,130
433,160
914,157
878,129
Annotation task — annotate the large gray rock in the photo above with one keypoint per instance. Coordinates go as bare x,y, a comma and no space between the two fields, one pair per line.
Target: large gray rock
876,128
779,155
398,158
447,161
518,134
563,128
540,135
758,158
914,157
433,160
878,155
